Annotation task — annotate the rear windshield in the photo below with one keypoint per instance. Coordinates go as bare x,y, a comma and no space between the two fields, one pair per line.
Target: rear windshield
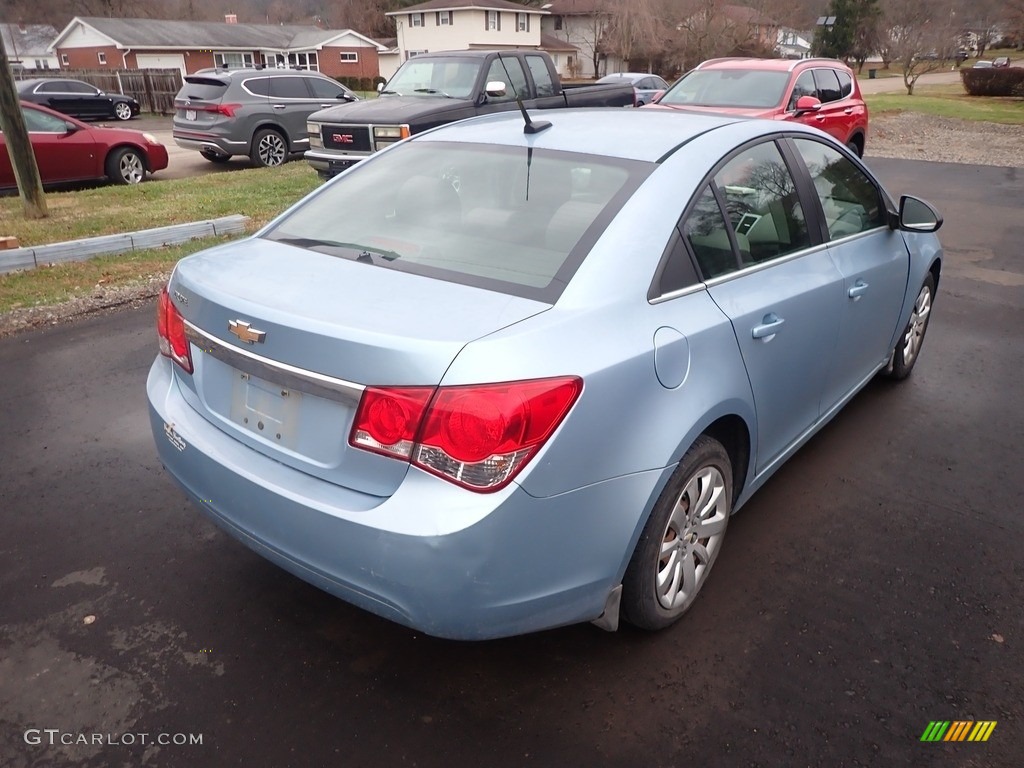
202,89
505,218
740,88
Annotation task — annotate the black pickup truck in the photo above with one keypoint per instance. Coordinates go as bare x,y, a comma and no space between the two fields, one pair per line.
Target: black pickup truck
436,88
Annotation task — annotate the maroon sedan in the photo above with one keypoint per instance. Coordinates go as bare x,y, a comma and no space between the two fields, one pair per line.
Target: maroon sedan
70,150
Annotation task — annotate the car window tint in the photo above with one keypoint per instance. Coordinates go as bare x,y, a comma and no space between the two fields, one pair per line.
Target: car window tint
850,201
762,204
40,122
660,84
804,86
57,86
258,86
507,69
74,87
845,83
288,88
828,85
706,232
510,219
325,89
541,76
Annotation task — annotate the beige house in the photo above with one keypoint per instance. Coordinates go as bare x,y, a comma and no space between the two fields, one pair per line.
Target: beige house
459,25
581,24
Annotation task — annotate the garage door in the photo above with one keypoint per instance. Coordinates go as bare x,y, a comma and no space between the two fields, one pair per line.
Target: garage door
161,61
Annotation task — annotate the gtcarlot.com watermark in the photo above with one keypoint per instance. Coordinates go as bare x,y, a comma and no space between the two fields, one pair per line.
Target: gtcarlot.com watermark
56,737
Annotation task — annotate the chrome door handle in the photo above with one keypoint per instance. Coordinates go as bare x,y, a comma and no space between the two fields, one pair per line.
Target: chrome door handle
279,106
770,325
858,290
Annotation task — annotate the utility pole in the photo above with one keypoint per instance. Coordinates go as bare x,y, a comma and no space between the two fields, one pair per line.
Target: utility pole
19,147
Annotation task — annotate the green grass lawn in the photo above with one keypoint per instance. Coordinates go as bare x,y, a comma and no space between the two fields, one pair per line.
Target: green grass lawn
260,194
950,101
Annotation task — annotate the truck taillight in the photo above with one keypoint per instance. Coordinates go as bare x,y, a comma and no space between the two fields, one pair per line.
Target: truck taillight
170,328
479,437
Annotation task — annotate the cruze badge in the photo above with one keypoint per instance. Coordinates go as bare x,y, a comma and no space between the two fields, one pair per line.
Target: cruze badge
342,138
246,332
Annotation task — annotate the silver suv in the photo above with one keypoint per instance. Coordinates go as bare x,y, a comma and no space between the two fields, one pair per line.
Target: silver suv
256,112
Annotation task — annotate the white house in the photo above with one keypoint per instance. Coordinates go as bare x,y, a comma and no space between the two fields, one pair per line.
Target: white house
581,24
27,46
459,25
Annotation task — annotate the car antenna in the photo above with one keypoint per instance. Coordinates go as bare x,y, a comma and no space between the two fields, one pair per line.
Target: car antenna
530,127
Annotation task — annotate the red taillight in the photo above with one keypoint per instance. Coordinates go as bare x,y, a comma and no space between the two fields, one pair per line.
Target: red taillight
387,419
170,327
479,437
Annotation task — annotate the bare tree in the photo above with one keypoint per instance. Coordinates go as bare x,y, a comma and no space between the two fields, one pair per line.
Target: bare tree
918,37
635,31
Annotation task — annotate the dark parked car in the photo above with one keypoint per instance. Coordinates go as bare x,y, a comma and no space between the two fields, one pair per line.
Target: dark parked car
256,112
1001,62
70,150
78,99
644,84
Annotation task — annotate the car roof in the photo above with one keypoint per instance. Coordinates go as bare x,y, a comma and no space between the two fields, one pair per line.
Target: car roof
629,134
775,65
631,74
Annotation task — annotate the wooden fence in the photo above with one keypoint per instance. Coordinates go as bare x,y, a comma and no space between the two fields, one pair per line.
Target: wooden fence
154,89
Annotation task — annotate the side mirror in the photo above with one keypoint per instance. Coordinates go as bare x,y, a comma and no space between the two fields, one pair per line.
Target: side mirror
657,96
380,87
348,97
807,104
918,216
70,128
495,88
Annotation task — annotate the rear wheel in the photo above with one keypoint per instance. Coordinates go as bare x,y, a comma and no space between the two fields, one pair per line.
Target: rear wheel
908,348
681,540
269,148
125,166
214,157
123,111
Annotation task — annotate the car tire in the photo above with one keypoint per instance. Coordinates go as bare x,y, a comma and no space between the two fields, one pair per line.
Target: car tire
126,166
269,148
681,540
123,111
908,348
854,147
214,157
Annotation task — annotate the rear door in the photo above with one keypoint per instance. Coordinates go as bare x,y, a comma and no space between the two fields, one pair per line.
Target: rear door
834,114
766,270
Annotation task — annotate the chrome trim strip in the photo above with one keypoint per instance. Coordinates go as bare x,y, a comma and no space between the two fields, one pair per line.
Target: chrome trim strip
766,264
282,374
695,288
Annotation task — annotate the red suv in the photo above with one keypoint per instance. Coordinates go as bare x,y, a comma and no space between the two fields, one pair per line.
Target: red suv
819,92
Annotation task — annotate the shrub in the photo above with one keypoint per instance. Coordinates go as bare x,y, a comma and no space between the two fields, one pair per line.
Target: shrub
993,82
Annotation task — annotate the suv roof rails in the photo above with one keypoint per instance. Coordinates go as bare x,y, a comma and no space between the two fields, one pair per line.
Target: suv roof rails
723,58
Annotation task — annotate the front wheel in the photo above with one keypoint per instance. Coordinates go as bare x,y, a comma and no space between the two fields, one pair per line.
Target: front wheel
126,166
123,111
269,148
681,540
908,348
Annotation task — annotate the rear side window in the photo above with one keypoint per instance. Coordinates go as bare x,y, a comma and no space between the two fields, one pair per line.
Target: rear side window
203,89
845,83
257,86
57,86
850,201
505,218
541,76
288,88
828,85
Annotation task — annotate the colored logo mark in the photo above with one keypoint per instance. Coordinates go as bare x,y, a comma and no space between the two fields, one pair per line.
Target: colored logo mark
958,730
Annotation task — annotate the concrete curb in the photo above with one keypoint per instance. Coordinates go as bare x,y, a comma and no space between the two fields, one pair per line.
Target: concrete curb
82,250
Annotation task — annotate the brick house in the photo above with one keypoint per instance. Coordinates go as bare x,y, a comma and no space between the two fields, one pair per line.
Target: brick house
99,43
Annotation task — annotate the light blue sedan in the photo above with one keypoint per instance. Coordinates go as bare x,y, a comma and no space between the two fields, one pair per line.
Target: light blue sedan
500,378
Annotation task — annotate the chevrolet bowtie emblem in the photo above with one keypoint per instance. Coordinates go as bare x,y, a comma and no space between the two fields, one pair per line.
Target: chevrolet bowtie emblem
246,332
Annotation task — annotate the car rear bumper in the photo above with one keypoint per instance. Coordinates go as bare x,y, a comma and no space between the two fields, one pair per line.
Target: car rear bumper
212,143
434,557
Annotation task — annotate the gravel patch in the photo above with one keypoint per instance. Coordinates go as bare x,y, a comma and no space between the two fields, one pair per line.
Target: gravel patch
906,135
913,136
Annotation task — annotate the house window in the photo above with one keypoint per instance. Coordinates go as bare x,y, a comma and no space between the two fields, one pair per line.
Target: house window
101,57
415,19
64,60
232,60
444,18
493,21
304,61
558,23
349,57
413,54
522,22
